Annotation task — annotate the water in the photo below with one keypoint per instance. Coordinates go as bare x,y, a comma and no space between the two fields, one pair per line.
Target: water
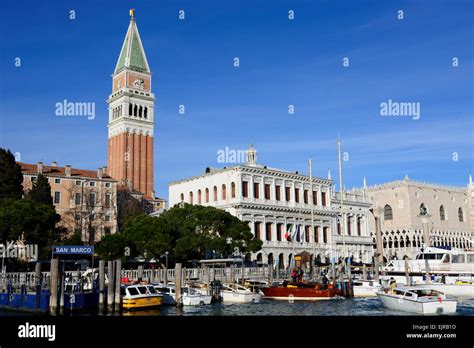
336,307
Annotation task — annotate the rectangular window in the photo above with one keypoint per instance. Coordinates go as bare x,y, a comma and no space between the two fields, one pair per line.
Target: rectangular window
316,234
57,197
315,197
323,198
78,183
92,200
107,231
107,200
33,179
287,194
277,193
279,229
107,184
255,190
77,216
297,195
245,189
268,231
267,191
57,181
325,234
305,196
92,184
338,228
107,218
77,198
349,226
306,234
257,230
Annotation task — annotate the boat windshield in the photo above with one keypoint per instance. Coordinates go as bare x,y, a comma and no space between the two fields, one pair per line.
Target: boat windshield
427,292
132,291
142,290
151,289
429,256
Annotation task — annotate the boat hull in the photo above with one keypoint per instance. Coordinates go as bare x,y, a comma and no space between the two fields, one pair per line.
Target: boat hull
420,307
142,302
235,297
300,294
197,300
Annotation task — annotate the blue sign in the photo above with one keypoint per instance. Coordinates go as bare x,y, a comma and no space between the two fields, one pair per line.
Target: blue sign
73,250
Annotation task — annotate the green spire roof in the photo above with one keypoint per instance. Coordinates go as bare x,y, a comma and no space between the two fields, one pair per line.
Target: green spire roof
132,54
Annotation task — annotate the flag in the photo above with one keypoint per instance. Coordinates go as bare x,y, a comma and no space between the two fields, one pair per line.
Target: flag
287,234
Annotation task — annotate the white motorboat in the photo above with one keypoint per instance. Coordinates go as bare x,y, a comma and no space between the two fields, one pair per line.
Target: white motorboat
189,296
166,292
365,288
235,293
458,289
417,300
194,297
440,261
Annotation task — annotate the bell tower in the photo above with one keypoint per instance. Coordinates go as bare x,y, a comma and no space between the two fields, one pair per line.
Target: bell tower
131,116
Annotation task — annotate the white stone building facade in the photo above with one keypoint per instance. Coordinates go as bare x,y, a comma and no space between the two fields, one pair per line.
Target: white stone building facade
271,201
451,210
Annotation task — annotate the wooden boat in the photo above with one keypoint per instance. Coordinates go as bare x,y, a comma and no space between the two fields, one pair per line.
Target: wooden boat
301,291
140,296
417,300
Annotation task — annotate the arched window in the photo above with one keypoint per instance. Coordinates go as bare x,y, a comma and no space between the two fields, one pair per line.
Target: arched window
232,188
442,215
191,197
215,193
135,110
130,109
224,193
145,112
199,196
460,215
182,197
387,213
207,195
140,111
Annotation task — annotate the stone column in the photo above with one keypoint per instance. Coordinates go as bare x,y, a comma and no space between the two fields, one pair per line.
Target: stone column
378,259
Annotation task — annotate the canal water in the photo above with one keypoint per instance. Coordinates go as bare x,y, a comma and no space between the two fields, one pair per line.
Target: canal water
342,307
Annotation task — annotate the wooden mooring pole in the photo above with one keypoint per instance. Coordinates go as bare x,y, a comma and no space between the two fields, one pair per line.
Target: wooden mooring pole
118,276
177,284
61,289
38,281
110,286
101,286
53,299
407,273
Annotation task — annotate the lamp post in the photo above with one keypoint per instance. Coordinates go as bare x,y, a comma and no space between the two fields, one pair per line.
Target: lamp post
425,220
378,257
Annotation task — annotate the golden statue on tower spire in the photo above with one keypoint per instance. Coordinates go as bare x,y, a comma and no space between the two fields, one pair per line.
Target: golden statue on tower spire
132,13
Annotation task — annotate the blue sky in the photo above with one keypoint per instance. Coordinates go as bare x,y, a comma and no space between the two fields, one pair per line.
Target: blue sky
282,62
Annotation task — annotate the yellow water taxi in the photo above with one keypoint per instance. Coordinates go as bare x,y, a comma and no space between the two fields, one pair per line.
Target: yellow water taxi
140,297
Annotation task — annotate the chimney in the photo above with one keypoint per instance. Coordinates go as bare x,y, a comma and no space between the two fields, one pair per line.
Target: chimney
39,168
54,164
99,173
67,170
104,170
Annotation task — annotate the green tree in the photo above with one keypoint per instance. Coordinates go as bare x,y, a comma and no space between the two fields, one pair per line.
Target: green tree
41,191
11,177
35,222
